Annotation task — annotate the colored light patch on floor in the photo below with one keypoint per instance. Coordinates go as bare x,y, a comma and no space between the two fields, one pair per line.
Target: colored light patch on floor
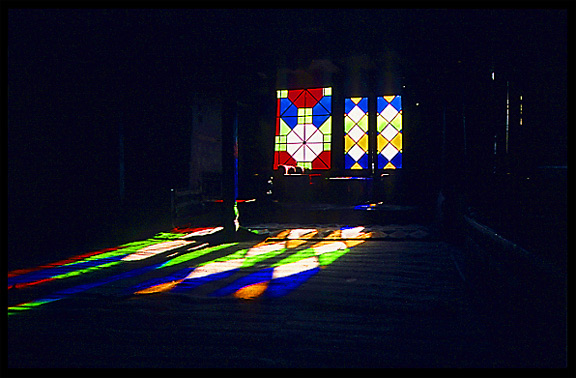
62,294
189,284
187,233
77,258
212,271
94,261
227,265
169,282
291,272
201,250
262,275
158,284
61,272
156,249
251,291
283,286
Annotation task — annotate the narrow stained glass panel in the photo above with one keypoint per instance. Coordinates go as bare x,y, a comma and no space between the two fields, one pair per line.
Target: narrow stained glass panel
303,128
389,128
356,133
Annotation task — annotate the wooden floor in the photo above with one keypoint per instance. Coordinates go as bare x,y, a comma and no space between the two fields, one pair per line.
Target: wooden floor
394,301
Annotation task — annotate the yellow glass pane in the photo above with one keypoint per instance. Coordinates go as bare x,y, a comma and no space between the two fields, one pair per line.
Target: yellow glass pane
356,100
381,142
389,166
363,142
389,98
397,141
356,166
348,143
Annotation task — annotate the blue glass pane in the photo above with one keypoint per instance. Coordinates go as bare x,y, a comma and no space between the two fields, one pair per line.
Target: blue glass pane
290,121
348,105
319,120
363,104
364,161
348,161
382,161
397,103
397,160
324,106
381,104
287,109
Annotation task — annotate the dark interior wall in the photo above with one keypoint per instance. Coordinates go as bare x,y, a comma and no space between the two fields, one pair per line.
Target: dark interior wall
77,77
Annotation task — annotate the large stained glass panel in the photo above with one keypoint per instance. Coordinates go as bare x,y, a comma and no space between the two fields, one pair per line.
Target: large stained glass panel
389,128
303,128
356,133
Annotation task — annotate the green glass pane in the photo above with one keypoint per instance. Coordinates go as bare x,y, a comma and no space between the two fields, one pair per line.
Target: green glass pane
326,127
381,123
363,123
348,124
397,122
284,128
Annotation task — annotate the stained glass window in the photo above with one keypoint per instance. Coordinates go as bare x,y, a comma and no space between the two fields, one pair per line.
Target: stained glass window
303,128
356,133
389,128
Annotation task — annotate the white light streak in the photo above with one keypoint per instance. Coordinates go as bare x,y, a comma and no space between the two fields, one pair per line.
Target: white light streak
155,249
295,267
215,267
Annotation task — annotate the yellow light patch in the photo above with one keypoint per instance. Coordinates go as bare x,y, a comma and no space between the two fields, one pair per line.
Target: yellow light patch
333,235
298,242
282,234
251,291
159,288
353,243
